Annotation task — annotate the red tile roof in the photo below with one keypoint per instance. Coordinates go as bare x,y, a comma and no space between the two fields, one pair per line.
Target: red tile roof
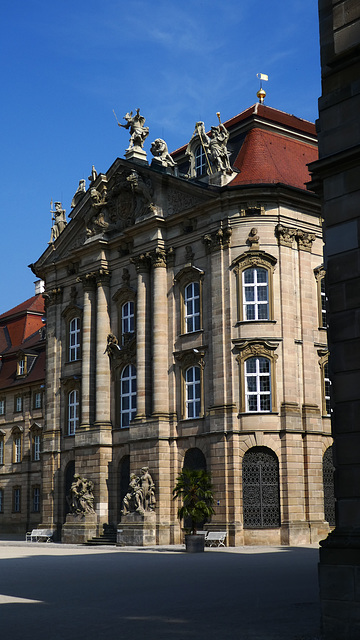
275,116
266,157
34,304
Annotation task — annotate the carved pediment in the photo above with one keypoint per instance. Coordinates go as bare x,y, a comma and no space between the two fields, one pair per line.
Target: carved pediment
130,196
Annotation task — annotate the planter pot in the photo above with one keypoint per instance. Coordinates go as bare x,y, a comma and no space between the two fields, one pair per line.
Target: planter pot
194,543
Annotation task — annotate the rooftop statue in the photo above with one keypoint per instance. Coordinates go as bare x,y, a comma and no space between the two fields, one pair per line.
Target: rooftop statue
219,155
79,193
59,221
137,130
159,149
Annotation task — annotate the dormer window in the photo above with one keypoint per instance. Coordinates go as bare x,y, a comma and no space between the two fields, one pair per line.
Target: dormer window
200,162
21,367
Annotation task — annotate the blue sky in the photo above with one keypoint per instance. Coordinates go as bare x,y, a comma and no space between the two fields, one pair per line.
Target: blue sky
66,65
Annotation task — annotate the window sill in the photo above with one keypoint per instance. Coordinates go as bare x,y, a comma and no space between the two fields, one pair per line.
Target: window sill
257,413
241,322
191,333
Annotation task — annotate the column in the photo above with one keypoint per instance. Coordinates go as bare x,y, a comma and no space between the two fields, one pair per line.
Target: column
160,335
86,351
102,412
142,264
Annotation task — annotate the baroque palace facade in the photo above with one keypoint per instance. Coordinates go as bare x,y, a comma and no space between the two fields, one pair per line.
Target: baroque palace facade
186,327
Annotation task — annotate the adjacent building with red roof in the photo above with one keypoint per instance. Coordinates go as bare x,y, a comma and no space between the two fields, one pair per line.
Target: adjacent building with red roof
22,383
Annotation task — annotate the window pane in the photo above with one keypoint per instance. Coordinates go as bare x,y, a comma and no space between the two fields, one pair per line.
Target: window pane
252,403
249,294
264,365
251,383
250,312
263,312
264,403
262,293
265,383
261,275
249,276
250,365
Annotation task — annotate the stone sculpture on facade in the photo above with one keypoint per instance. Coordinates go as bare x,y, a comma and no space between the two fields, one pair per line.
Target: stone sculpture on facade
79,193
160,151
59,221
81,497
219,154
138,133
140,497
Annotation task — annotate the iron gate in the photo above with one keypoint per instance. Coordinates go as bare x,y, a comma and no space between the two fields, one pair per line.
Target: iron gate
261,496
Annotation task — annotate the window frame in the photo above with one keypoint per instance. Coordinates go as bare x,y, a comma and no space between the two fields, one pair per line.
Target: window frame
18,404
2,406
1,500
195,385
73,421
186,276
200,162
320,274
74,349
36,405
258,392
35,502
131,410
256,349
255,304
129,318
325,384
254,259
2,448
195,316
16,505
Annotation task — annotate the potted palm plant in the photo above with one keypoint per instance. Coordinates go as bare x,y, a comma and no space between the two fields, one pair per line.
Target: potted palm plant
194,488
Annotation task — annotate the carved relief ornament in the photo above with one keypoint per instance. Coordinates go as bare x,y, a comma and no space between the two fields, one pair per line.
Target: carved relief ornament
255,348
254,258
130,196
217,240
52,296
286,236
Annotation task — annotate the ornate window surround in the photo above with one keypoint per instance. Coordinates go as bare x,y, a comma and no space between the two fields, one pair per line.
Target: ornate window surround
254,258
71,312
182,279
323,362
320,273
254,349
17,444
35,435
121,297
186,359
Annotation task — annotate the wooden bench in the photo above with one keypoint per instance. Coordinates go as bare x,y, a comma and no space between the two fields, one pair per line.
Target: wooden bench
215,539
40,535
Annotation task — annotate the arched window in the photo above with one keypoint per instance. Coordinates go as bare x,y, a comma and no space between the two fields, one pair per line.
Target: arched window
194,459
261,495
200,161
73,412
192,392
255,294
192,307
127,318
128,395
258,385
328,482
74,339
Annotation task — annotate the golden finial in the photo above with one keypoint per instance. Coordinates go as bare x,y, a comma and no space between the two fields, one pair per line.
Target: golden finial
261,93
218,115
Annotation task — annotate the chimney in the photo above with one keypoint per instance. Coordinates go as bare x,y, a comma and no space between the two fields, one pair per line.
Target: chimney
39,286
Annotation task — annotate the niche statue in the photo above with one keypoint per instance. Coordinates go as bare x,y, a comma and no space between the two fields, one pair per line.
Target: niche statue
140,497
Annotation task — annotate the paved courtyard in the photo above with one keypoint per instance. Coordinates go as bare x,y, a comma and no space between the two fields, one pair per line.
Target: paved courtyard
53,592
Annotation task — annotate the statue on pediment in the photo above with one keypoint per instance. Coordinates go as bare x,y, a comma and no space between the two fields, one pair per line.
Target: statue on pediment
138,132
218,152
140,496
160,151
79,193
58,219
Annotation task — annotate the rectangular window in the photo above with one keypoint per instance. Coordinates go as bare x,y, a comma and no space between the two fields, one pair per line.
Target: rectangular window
37,400
1,500
1,451
258,385
36,448
323,303
17,500
255,294
17,449
36,500
18,404
2,407
74,339
21,367
327,389
192,307
73,412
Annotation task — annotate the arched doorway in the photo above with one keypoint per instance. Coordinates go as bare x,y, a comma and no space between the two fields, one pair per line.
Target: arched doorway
261,491
328,482
123,481
68,480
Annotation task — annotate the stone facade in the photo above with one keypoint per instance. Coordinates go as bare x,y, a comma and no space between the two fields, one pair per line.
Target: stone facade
336,177
203,291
